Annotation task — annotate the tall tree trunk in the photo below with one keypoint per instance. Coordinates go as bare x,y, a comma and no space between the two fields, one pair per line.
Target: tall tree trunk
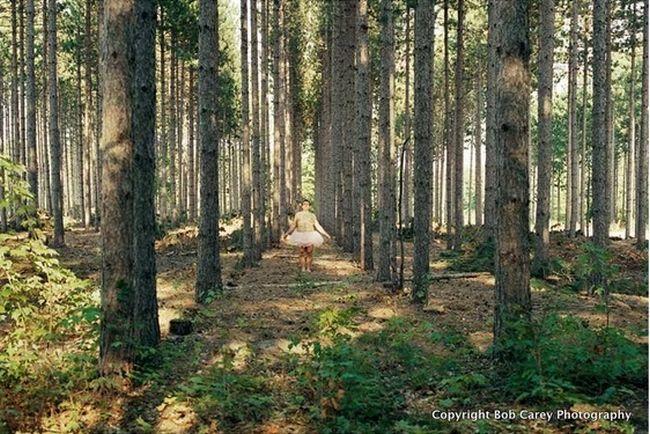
116,343
191,176
448,139
629,172
32,164
512,273
278,126
583,151
44,118
78,164
609,115
208,269
257,197
572,151
478,180
343,119
264,127
15,117
423,75
147,330
408,152
600,178
386,138
540,266
642,175
54,138
88,110
247,230
363,128
326,202
459,132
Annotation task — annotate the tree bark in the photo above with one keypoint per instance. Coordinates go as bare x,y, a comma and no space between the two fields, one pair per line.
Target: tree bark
423,70
600,178
459,138
386,138
642,175
247,231
117,344
478,180
363,129
629,172
540,266
208,269
512,273
30,138
146,328
572,151
54,138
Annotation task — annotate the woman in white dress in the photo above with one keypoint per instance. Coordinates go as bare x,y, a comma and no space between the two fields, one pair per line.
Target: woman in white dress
306,233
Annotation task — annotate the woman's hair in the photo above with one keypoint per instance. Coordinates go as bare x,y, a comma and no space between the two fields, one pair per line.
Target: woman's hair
306,200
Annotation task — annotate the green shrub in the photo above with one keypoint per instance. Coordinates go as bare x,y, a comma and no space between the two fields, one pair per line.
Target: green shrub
228,396
564,360
43,307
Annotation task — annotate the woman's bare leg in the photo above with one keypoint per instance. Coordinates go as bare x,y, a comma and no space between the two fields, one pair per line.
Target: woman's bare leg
309,250
302,259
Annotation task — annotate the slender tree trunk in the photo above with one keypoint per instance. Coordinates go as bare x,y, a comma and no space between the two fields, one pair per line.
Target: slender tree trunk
449,142
478,181
247,231
256,192
208,269
88,110
117,234
147,329
264,119
600,178
54,138
191,176
363,129
572,188
629,172
583,151
423,70
459,138
642,175
32,163
540,266
408,152
512,274
44,117
78,164
386,138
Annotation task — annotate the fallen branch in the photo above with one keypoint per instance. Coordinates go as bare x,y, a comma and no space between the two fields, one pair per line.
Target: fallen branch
446,276
291,285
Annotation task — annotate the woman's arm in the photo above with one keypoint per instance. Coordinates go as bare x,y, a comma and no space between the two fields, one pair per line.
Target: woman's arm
292,227
320,229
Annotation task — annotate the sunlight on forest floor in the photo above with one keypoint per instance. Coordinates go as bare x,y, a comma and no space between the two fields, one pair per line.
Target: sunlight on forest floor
250,339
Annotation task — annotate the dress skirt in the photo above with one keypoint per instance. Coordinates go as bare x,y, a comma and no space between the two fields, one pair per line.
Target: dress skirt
304,239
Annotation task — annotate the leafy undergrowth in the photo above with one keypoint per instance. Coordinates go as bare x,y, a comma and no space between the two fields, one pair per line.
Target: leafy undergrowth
279,352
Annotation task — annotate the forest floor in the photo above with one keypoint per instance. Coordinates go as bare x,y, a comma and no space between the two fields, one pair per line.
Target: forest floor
282,351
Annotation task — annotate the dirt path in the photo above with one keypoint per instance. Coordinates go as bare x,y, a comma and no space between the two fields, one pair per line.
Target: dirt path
265,313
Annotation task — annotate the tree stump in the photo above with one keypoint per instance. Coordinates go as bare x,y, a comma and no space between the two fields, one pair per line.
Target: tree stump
180,327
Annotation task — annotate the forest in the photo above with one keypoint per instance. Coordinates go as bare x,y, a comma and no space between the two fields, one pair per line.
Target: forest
481,167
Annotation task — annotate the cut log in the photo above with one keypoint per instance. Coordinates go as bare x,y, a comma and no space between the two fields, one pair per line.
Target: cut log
180,327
